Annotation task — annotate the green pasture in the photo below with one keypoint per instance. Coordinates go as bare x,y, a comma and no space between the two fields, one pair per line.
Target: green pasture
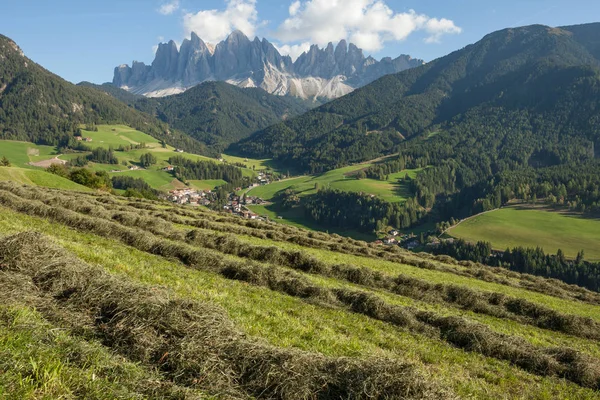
528,227
117,135
38,178
206,184
20,154
393,189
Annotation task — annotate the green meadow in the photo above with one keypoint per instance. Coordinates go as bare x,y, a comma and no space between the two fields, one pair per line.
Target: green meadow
392,190
117,135
38,178
20,154
257,165
520,226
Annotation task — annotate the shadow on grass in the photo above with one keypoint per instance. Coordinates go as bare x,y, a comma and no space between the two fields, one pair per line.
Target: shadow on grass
296,216
556,209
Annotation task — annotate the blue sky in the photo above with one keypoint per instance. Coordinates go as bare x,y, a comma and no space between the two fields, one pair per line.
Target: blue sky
84,40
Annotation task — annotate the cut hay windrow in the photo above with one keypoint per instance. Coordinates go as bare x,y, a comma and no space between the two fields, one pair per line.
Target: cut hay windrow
533,283
191,343
493,304
277,232
539,360
40,360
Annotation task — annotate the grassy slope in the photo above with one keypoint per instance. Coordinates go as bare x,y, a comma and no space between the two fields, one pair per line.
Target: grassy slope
38,178
250,163
514,227
121,135
391,190
116,135
290,322
40,361
18,153
342,179
206,184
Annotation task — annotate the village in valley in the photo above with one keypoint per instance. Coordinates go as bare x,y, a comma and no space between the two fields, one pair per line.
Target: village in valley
235,204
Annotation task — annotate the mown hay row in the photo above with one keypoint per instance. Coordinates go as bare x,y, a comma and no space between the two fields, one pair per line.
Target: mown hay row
500,346
193,343
493,304
279,232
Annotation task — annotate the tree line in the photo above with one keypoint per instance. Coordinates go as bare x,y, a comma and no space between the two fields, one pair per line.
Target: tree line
527,260
336,208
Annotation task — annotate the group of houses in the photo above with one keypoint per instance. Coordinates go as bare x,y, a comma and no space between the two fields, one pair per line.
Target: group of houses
237,205
411,241
191,196
83,139
396,238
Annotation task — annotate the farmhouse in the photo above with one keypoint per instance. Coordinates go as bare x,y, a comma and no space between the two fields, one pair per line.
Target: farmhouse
169,168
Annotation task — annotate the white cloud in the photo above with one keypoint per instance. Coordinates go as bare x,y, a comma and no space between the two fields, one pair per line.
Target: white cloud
295,7
169,8
294,51
367,23
214,25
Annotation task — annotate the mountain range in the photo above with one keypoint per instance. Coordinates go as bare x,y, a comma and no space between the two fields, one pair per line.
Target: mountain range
328,73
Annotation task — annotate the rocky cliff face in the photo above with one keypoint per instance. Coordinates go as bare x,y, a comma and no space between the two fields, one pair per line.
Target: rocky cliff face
329,73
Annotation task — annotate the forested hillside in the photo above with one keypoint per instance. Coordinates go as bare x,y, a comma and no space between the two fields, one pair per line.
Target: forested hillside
522,95
38,106
219,114
114,91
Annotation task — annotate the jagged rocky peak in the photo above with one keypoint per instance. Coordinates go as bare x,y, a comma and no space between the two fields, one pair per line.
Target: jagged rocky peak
329,72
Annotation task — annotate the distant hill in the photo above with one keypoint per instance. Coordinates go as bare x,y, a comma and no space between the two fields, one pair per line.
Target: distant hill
38,106
525,93
218,113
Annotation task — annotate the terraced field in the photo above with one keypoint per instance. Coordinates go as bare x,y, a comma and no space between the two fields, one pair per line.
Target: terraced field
162,301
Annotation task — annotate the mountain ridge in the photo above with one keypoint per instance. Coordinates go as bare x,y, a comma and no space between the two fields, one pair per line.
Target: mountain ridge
502,70
219,114
330,72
